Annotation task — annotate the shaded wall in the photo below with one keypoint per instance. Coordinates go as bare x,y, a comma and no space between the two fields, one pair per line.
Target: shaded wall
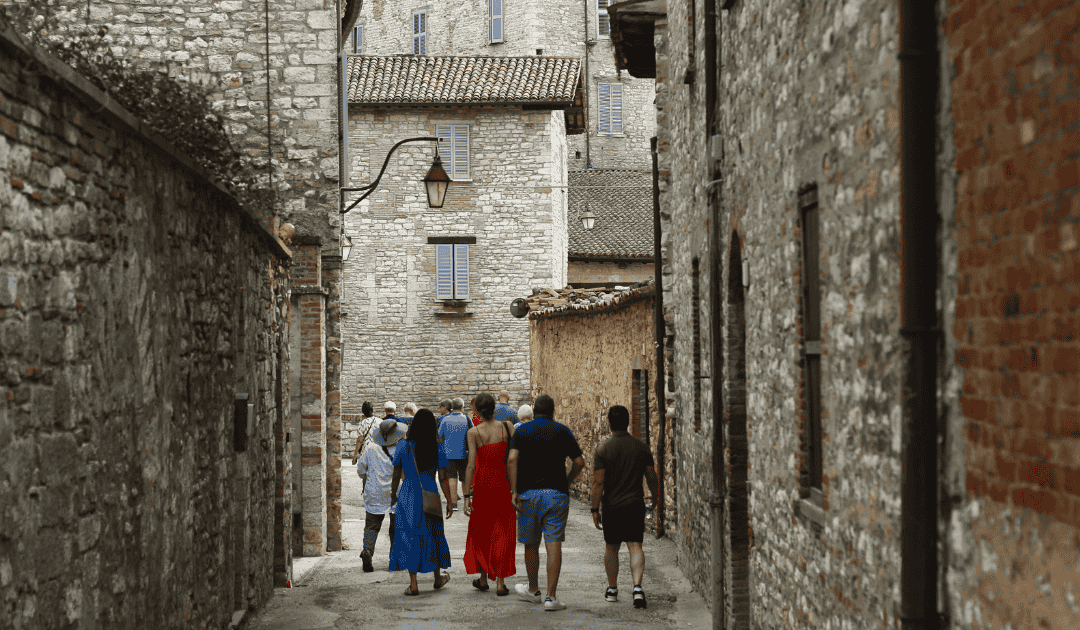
144,474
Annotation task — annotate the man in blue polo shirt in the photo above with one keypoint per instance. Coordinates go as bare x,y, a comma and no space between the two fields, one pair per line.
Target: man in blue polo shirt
540,487
452,432
503,411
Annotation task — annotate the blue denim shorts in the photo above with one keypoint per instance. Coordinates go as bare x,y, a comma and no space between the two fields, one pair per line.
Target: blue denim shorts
544,511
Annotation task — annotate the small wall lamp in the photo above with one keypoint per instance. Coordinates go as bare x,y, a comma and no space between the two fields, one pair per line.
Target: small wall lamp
588,219
346,246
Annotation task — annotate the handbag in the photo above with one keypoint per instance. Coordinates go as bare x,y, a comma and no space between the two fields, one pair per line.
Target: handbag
432,502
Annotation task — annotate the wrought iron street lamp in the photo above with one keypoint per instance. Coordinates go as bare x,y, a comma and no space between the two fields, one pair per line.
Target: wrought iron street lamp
436,181
588,219
346,245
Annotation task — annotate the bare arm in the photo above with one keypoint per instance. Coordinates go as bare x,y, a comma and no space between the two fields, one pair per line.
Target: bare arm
446,491
511,472
470,470
650,478
395,483
575,469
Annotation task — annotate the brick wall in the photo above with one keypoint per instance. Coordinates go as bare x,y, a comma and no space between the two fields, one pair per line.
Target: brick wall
1012,73
139,300
808,95
403,344
615,342
556,27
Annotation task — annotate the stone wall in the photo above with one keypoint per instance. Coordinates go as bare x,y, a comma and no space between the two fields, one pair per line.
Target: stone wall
807,97
144,345
1012,481
615,342
404,344
609,272
556,28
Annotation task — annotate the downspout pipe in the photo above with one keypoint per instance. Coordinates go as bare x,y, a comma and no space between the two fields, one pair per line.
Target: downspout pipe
918,222
588,78
714,194
658,324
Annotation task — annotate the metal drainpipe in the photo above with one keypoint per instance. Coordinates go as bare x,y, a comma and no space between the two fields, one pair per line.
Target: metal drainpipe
718,500
587,81
918,222
658,324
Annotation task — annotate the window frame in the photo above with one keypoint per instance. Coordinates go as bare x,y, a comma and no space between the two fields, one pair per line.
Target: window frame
607,109
605,23
352,47
420,24
451,151
494,16
458,266
813,431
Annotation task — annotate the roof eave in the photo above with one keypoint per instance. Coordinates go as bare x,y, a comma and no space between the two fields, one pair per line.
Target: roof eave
632,27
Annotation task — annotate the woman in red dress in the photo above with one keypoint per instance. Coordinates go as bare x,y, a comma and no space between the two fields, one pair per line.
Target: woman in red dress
490,546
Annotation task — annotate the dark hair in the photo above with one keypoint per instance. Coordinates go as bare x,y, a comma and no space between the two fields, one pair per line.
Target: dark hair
422,435
367,409
618,417
484,404
544,405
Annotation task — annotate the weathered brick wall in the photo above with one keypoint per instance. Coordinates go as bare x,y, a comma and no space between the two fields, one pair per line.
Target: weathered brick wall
619,273
807,96
611,340
556,27
223,43
403,344
1013,478
138,301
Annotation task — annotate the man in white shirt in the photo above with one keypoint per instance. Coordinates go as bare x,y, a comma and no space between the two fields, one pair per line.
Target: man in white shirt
376,469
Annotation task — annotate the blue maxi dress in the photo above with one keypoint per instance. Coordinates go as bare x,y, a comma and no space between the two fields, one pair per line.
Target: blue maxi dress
419,540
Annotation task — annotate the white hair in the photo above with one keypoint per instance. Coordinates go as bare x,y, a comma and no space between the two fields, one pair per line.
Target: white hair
525,411
411,407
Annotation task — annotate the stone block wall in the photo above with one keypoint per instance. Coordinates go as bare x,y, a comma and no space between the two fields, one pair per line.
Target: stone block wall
808,96
1013,399
402,343
558,28
615,343
617,273
143,348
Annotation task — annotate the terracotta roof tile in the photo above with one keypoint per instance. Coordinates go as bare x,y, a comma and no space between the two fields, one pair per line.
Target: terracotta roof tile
623,205
418,79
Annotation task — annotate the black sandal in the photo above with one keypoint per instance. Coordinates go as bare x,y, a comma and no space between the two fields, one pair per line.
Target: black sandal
411,593
441,583
502,592
478,586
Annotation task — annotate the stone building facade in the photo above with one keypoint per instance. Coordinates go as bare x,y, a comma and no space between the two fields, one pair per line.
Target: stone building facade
558,28
791,343
146,470
506,212
294,66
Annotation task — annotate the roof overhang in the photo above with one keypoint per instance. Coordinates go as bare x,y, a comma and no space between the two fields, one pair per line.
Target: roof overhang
350,11
632,25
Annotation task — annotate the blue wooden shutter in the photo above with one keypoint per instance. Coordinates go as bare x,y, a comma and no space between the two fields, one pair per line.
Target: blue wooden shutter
603,26
420,32
444,274
495,20
445,137
604,107
461,272
461,152
616,107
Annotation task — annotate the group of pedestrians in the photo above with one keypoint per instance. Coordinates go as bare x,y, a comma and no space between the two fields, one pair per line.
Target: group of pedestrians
511,466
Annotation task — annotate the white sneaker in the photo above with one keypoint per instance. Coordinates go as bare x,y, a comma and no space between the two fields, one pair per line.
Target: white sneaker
553,604
523,591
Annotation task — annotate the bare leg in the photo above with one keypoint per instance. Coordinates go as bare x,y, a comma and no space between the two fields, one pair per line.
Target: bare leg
532,566
554,565
500,584
412,582
453,491
637,562
611,563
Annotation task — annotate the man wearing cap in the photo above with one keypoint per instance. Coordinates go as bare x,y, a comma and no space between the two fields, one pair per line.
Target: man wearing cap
376,469
389,408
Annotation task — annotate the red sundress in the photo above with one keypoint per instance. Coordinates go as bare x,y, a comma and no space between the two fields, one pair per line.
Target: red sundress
492,540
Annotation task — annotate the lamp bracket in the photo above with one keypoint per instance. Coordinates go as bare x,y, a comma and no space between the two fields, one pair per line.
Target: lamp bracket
370,188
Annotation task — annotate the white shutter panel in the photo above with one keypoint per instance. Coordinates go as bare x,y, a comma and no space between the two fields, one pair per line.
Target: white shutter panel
461,152
616,107
461,272
359,40
444,275
496,20
603,91
443,131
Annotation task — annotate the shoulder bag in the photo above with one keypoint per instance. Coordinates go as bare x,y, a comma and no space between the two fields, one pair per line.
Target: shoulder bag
432,502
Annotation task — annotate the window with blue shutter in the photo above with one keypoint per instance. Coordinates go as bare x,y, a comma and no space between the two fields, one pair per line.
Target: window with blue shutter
609,104
356,40
603,24
419,38
452,272
495,21
454,149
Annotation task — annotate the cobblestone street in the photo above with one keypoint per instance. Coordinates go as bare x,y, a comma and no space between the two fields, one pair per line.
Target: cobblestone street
334,592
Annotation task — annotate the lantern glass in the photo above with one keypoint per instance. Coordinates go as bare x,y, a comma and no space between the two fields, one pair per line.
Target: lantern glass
436,182
588,219
346,246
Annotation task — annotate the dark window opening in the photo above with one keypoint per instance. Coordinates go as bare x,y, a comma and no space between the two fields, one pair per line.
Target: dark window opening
695,323
639,405
811,325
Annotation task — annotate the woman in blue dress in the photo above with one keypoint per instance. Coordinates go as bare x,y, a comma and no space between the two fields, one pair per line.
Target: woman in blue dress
419,539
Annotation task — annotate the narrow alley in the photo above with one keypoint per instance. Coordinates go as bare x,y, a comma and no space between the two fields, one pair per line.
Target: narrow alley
332,591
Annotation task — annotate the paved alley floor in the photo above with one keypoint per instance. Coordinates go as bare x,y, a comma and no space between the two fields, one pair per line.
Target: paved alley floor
334,592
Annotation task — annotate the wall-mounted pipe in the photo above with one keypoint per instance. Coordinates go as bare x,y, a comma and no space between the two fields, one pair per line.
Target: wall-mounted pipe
588,80
918,284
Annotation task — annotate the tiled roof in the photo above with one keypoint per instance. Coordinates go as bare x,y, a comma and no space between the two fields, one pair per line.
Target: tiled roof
574,303
418,79
623,205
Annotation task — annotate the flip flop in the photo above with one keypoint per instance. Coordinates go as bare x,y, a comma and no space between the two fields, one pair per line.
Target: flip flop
411,593
478,586
441,583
